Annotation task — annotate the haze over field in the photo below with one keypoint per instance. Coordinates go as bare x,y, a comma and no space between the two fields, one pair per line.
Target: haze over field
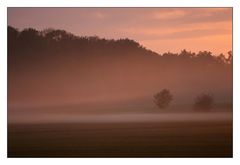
55,68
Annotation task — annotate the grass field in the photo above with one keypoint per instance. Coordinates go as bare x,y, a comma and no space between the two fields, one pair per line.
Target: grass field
200,138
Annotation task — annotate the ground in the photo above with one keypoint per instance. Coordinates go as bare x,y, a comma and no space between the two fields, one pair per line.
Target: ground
113,138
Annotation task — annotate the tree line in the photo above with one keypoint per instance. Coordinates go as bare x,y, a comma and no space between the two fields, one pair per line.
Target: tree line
51,42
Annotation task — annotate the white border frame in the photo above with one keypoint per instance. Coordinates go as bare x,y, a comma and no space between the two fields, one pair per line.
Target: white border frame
121,3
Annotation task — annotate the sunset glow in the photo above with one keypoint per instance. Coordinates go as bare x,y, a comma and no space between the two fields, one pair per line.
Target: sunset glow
158,29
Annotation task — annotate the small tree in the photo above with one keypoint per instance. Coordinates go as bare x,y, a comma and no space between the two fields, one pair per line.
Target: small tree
203,102
163,98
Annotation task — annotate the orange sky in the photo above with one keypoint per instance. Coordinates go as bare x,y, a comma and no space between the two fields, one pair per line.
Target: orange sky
158,29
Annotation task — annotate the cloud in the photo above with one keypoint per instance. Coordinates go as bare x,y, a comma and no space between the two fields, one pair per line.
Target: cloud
100,15
169,14
178,32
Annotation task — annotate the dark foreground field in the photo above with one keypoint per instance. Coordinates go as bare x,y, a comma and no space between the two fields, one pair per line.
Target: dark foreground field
137,139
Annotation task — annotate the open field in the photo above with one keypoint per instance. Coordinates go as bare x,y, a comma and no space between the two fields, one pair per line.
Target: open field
115,138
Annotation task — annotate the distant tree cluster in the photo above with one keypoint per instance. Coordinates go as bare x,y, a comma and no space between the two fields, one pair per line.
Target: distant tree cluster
203,102
163,99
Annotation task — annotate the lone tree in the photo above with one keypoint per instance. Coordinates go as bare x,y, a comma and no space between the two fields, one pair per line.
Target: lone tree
163,98
203,102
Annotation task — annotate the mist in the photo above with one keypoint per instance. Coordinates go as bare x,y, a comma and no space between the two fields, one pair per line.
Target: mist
106,75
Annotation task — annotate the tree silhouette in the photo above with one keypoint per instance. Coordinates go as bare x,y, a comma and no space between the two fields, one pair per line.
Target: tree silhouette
203,102
230,58
163,98
50,42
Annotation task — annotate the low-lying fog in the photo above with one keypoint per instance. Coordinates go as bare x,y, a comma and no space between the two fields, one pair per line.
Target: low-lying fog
88,115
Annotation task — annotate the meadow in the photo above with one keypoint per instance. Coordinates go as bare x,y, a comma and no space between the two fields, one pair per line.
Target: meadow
159,134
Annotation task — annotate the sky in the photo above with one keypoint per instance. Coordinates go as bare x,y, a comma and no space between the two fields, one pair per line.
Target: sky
158,29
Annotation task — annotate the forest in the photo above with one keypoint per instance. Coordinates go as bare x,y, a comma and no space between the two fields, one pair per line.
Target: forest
57,65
